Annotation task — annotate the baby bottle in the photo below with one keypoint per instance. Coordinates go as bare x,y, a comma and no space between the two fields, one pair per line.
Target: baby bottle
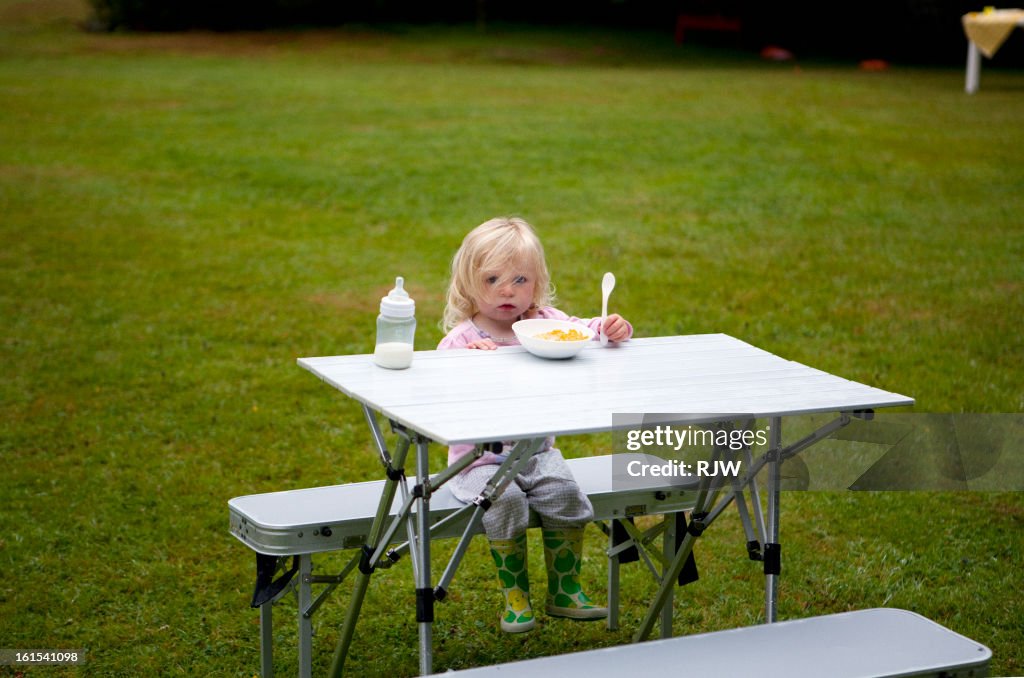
396,327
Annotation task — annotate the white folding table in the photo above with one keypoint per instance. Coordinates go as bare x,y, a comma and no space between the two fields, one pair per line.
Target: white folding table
480,397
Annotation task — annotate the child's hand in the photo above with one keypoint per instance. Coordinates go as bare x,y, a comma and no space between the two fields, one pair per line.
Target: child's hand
616,327
482,344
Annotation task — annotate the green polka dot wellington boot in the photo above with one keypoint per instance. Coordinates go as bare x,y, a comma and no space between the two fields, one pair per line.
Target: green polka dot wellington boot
510,557
563,554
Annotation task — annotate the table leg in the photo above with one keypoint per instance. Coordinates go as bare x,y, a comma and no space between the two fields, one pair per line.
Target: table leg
755,533
362,581
755,503
706,499
772,563
507,471
973,68
424,589
267,639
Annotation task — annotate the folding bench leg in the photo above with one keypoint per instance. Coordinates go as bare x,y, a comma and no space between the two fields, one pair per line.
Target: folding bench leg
267,639
305,617
628,544
621,550
267,591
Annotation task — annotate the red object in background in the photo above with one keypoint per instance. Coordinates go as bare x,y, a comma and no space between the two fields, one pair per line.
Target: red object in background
874,65
774,53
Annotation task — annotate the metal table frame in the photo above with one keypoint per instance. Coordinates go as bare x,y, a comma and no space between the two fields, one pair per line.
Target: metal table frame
714,496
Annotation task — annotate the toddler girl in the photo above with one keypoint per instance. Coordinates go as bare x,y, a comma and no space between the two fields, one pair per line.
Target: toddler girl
499,277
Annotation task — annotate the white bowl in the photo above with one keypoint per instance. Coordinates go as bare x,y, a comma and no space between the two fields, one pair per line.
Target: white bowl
527,331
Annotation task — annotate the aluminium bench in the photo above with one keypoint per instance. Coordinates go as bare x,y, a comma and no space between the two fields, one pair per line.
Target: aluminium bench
875,643
298,524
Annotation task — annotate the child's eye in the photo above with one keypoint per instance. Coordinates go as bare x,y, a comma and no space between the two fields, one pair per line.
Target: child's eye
520,280
491,279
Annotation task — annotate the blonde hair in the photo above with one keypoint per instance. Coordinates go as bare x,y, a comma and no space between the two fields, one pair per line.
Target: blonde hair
494,245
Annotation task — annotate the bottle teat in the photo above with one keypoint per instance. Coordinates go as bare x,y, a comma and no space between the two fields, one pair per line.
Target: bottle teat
398,303
399,290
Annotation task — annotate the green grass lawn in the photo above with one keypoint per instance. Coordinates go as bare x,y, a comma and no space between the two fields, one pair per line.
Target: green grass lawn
182,216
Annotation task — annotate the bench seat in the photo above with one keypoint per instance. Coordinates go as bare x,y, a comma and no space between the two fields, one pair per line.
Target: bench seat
861,644
338,517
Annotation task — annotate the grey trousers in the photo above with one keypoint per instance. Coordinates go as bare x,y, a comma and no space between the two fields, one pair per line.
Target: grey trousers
545,485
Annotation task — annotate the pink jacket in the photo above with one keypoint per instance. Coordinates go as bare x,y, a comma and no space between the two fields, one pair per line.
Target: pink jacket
464,334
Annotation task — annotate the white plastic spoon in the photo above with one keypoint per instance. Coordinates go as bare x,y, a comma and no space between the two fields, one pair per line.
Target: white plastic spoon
607,285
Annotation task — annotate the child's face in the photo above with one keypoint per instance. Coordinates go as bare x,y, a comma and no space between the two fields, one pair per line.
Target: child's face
507,294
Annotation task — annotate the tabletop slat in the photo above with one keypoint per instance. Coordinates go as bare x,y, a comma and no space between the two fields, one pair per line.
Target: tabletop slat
474,396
